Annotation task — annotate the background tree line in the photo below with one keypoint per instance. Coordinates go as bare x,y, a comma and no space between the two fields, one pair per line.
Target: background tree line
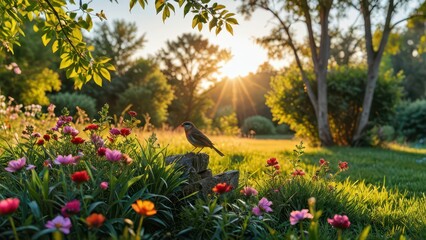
318,95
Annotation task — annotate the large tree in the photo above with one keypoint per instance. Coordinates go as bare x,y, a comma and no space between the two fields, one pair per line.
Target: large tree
371,9
62,28
119,41
315,16
189,63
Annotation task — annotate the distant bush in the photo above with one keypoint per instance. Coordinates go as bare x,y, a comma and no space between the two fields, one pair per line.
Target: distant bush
73,100
283,129
260,124
381,134
226,121
411,119
290,103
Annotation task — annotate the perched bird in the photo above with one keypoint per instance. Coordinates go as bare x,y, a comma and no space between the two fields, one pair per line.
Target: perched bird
197,138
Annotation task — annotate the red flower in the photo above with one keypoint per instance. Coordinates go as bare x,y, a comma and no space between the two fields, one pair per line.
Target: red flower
125,131
222,188
277,167
343,166
46,137
298,172
132,113
55,137
101,151
8,205
77,140
91,127
272,162
80,177
323,162
40,142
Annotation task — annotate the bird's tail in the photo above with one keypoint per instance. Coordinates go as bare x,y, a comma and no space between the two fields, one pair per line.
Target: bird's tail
219,152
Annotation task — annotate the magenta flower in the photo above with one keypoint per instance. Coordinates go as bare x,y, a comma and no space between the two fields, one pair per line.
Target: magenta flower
249,191
339,221
263,206
115,131
104,185
70,208
65,160
113,155
296,216
16,165
60,223
30,167
70,130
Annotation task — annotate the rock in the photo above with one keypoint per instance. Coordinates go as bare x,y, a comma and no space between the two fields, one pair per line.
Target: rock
205,185
191,162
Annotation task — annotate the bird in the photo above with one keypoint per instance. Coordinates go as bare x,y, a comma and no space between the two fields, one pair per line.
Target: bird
197,138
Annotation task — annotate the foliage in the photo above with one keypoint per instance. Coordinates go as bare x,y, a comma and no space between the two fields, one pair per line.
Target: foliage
73,100
283,129
259,124
290,104
188,63
226,121
63,30
381,134
410,120
119,42
110,186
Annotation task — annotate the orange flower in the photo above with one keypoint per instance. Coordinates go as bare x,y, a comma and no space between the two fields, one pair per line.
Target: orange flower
145,208
95,220
222,188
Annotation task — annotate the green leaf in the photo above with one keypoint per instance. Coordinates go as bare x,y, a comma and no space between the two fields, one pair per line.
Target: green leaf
66,62
97,79
171,7
195,21
132,4
181,2
186,9
166,13
105,73
45,39
159,5
232,20
55,46
219,6
364,233
229,28
212,23
200,26
218,29
142,3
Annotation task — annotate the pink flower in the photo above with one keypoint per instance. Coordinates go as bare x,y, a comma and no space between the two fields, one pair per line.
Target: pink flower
16,165
132,113
296,216
70,130
30,167
113,155
263,206
339,221
8,206
104,185
70,208
65,160
62,224
249,191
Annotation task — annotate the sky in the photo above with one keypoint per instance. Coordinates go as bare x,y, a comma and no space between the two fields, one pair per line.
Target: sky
247,55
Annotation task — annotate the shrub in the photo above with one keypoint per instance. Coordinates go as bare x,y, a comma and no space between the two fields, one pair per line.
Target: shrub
260,124
381,134
283,129
410,119
226,121
73,100
290,104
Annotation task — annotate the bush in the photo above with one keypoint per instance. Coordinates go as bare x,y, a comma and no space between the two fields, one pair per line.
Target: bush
410,120
226,121
381,134
290,104
283,129
73,100
260,124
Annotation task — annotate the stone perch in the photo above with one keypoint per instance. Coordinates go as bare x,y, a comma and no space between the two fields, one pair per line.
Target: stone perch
200,177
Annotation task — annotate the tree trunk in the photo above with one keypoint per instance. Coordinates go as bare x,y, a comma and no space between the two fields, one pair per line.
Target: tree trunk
324,132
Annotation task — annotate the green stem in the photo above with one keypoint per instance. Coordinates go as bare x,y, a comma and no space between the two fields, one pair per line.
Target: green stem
57,235
339,234
138,232
302,234
82,198
12,223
